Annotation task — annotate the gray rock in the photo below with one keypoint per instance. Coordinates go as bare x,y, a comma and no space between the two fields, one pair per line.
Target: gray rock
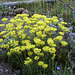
7,70
25,12
19,10
1,70
0,50
18,72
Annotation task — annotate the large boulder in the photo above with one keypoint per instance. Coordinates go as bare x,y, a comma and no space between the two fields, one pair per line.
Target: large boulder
19,10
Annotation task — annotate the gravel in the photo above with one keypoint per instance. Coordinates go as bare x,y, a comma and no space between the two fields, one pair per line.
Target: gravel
5,69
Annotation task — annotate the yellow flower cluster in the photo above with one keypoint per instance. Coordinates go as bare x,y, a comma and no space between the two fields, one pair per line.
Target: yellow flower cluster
9,27
46,48
37,51
3,32
2,25
64,23
51,42
33,35
30,53
28,61
6,35
1,40
41,63
4,19
36,57
38,41
54,19
5,46
64,43
53,56
64,29
58,38
52,50
61,33
13,43
16,50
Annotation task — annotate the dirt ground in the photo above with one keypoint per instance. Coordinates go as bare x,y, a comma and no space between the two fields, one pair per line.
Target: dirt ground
5,69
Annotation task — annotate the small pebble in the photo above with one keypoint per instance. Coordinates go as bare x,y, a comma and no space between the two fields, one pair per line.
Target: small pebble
0,50
1,70
6,70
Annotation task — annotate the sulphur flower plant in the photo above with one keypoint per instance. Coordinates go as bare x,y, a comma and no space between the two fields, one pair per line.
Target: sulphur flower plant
34,37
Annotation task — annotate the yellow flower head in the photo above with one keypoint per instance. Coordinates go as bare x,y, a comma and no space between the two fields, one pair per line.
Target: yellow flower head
2,25
46,48
64,43
3,32
28,61
61,33
30,53
44,65
4,19
36,50
58,38
1,40
53,56
63,23
40,63
36,57
8,53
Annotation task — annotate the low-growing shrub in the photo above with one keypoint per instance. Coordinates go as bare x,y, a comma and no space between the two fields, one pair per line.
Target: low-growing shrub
33,42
